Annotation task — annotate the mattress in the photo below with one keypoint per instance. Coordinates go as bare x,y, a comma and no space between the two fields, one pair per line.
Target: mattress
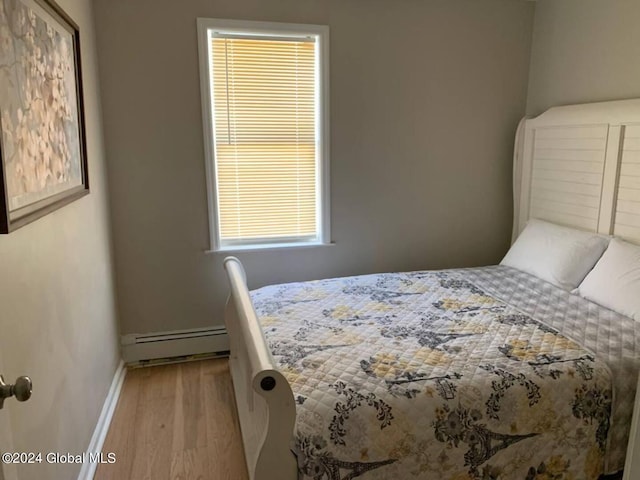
453,374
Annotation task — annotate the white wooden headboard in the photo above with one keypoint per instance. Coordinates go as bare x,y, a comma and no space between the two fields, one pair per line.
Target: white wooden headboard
579,166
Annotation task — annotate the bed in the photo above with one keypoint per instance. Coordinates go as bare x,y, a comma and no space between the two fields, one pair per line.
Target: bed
484,373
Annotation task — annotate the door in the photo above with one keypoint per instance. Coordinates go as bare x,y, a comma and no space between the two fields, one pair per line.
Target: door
7,471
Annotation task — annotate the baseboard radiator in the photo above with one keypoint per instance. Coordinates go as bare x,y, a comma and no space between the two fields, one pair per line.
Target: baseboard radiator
178,343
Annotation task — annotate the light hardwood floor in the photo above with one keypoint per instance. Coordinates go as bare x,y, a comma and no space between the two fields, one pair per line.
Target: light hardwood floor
176,422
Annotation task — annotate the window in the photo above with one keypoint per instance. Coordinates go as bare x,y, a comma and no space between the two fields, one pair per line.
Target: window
264,90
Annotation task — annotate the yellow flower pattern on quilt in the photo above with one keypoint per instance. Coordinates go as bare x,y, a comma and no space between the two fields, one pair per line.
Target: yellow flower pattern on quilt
423,375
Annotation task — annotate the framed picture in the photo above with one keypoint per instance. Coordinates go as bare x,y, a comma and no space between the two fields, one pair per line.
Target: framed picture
42,133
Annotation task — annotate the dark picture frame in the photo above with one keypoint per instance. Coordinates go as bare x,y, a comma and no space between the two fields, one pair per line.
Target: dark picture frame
43,158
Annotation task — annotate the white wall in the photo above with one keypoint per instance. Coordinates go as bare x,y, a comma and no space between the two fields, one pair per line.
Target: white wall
425,99
584,51
57,315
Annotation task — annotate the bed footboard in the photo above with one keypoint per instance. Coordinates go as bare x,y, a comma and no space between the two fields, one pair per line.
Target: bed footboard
264,399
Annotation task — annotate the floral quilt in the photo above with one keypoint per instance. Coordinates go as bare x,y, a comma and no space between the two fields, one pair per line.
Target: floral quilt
425,375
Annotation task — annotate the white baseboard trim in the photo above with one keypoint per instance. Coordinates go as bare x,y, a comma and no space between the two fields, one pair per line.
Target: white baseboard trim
177,343
88,469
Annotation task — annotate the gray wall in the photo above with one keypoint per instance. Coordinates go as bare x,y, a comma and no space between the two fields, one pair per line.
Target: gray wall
58,317
425,99
584,51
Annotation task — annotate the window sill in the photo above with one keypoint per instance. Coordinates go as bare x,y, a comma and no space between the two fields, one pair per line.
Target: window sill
269,247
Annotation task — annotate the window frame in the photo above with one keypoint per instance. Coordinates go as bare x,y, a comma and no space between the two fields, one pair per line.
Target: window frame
205,27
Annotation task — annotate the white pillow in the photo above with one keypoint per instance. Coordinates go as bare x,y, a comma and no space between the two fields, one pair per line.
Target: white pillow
560,255
615,280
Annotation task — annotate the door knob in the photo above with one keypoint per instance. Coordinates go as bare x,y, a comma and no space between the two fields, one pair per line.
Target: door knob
21,389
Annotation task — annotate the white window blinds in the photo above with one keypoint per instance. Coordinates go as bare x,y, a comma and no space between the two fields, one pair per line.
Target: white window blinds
265,135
